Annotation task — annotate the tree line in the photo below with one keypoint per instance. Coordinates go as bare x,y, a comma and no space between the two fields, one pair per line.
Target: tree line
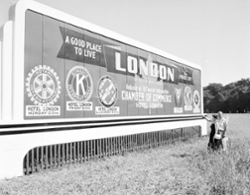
231,98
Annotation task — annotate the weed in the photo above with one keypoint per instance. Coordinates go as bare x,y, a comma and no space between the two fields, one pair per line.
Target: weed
185,168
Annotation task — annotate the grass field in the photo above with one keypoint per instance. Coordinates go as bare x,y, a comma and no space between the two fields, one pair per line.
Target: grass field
183,168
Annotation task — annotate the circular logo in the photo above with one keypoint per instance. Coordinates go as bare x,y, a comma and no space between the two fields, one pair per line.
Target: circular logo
107,91
196,99
178,97
79,84
43,85
188,98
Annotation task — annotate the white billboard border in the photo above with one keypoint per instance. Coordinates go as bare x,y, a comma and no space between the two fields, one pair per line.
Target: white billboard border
14,147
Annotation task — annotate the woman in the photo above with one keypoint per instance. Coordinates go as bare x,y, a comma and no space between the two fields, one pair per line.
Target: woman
220,130
211,144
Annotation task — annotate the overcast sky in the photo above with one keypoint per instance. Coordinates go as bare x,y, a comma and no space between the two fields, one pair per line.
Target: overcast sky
212,33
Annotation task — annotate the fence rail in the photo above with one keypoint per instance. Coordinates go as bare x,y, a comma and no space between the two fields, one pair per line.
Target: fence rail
53,156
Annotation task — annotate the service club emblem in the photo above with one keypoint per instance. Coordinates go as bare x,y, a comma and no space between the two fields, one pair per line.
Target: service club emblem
107,91
43,85
79,84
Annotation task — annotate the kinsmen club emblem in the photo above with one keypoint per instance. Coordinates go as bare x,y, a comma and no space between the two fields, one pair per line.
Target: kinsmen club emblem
79,84
43,85
107,91
178,97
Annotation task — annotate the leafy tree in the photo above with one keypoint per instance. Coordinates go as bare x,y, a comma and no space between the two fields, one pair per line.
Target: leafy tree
234,97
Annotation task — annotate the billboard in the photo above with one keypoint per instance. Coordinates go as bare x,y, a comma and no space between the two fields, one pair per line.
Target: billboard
71,72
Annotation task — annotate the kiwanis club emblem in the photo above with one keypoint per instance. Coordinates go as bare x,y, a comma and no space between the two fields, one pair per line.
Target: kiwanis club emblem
79,84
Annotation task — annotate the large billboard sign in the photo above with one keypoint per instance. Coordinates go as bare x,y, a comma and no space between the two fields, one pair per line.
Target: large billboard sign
72,72
64,80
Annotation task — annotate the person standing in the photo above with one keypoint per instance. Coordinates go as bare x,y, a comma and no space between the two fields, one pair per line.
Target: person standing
211,142
220,130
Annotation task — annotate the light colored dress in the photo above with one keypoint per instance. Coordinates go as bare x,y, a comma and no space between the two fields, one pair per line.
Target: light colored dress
221,126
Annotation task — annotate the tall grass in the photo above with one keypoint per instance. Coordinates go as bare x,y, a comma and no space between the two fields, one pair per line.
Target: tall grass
182,168
226,173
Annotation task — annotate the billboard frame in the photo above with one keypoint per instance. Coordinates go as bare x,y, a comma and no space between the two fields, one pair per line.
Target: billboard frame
18,16
18,136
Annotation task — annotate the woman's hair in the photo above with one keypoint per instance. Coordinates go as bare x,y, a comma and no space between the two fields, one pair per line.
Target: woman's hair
220,113
215,116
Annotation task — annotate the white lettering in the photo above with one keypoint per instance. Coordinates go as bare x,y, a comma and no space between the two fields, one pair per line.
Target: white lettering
144,67
153,70
171,74
67,39
132,96
132,65
163,72
118,62
79,82
77,42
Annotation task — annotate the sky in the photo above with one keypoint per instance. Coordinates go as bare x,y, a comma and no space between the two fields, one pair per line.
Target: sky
214,34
